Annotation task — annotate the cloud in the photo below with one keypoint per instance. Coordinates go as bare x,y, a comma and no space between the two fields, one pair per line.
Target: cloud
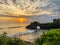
30,7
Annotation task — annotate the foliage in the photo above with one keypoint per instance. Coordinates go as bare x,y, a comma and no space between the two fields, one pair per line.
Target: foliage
5,40
51,37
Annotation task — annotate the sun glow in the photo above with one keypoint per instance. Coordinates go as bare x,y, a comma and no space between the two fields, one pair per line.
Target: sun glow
22,20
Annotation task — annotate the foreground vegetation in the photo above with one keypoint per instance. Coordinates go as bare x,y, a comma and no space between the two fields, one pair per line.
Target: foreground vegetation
5,40
51,37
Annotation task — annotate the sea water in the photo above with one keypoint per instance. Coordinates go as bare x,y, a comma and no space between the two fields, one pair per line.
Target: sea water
12,28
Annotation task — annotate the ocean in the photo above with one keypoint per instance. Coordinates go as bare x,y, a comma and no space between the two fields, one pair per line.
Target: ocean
16,28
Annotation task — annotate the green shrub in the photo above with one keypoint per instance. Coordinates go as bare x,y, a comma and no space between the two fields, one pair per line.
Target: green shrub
51,37
5,40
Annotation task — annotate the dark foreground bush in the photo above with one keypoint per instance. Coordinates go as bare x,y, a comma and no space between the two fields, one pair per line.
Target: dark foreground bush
5,40
51,37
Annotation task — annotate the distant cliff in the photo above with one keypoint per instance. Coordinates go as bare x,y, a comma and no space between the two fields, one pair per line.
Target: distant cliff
53,25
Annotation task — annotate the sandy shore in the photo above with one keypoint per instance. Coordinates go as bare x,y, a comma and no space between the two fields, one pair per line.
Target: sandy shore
31,37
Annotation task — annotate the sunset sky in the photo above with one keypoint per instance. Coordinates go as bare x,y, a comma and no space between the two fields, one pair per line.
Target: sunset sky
11,10
29,7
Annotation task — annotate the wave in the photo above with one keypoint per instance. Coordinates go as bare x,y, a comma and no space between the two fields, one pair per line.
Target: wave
12,27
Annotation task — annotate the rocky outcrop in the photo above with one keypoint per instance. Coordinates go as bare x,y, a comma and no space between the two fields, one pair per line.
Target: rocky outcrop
55,24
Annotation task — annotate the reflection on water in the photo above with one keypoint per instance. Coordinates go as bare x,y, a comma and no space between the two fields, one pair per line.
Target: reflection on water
12,28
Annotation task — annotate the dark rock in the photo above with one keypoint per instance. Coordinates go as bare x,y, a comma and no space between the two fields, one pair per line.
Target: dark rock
53,25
